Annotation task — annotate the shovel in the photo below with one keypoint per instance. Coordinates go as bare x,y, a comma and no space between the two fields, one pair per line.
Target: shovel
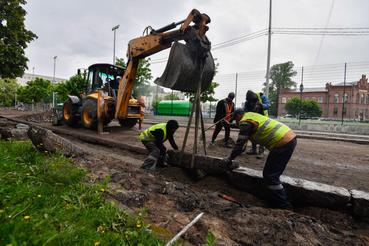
234,201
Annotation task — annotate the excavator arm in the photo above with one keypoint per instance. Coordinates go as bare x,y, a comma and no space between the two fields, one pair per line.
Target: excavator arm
186,63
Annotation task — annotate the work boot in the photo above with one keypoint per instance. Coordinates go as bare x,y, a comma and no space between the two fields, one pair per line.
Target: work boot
162,165
212,142
161,162
228,145
251,152
260,154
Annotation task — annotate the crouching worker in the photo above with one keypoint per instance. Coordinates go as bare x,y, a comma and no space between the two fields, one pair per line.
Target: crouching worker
153,139
278,138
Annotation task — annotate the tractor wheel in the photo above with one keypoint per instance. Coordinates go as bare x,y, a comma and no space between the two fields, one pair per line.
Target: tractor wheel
70,113
128,122
89,114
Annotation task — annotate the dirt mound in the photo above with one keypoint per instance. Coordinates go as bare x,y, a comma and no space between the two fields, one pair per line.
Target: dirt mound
43,117
230,223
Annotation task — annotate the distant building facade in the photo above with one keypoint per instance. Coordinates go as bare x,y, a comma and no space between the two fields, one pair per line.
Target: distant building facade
29,77
350,99
159,91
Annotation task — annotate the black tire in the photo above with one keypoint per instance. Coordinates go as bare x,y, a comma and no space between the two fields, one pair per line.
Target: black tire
107,121
128,122
70,113
89,114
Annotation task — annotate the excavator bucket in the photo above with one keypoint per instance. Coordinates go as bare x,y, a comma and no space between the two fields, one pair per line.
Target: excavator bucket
183,70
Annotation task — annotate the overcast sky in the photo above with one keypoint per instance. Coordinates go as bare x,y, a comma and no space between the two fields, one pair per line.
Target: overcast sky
80,32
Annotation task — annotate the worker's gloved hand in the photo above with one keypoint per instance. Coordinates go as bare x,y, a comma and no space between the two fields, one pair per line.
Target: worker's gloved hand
225,162
258,107
226,124
166,157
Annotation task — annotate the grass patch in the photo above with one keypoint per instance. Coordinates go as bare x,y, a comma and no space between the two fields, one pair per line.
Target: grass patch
43,202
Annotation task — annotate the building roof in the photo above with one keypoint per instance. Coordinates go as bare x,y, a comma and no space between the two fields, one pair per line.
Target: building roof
317,89
346,83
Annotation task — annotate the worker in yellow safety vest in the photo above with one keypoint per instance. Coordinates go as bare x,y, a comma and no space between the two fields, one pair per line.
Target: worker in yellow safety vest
278,138
153,139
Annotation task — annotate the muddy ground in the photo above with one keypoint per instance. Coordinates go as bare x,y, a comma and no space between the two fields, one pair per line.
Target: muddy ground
336,163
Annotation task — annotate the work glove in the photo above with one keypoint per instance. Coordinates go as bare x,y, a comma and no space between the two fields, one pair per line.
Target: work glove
258,107
225,162
166,157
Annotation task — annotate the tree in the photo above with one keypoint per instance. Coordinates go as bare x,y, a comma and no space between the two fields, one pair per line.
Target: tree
293,105
141,86
34,91
309,108
206,95
281,76
13,39
171,97
155,103
74,86
8,88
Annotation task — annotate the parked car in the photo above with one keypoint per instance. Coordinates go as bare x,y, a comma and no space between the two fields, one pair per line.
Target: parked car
287,116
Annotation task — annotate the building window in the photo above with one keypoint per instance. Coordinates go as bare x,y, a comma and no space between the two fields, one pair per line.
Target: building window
283,111
366,113
283,100
367,99
344,111
357,98
313,98
356,114
306,98
344,99
336,98
335,111
289,99
362,98
320,99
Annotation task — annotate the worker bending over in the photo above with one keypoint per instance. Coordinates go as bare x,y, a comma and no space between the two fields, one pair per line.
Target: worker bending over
153,139
252,105
278,138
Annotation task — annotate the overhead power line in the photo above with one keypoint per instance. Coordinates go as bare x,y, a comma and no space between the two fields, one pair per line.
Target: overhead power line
361,31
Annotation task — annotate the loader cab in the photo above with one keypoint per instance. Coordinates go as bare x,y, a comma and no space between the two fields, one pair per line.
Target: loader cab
104,76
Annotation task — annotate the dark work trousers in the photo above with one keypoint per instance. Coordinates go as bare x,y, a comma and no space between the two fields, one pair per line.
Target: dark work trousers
153,155
218,128
274,167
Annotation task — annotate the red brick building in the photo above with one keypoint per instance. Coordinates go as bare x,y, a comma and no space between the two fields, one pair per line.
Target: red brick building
351,99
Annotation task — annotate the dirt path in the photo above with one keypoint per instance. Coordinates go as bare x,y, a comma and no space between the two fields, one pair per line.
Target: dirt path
173,198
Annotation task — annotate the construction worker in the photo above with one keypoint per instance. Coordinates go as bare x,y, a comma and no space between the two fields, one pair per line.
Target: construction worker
278,138
153,139
251,106
225,107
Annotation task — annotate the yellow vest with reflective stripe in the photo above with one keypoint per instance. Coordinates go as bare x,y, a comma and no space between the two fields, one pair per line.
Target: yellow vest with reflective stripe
265,111
147,136
269,131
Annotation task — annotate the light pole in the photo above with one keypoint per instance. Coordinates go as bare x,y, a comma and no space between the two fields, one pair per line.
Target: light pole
301,89
54,80
113,29
33,73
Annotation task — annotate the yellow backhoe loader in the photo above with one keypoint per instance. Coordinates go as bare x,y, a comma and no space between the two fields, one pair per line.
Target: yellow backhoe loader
189,64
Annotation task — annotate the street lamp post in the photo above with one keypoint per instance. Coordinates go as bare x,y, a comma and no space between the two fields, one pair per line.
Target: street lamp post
54,81
301,89
113,29
33,73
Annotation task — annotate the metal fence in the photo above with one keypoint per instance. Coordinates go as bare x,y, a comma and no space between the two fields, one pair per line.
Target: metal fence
311,77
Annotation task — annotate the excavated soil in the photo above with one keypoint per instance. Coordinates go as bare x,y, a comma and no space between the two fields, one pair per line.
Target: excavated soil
173,197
